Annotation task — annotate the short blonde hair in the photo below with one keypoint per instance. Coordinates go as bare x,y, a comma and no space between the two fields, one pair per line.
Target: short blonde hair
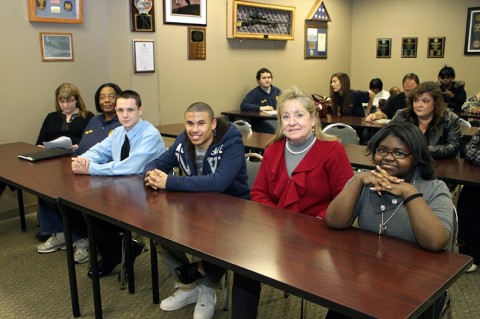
294,93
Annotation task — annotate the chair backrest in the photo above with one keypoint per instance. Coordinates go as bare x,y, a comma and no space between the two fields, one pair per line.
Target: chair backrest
243,126
464,123
344,132
453,242
253,161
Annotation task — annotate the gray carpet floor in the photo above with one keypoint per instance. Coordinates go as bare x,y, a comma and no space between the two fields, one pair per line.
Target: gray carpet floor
34,285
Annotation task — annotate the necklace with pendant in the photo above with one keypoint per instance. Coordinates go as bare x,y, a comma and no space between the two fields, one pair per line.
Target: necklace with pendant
382,228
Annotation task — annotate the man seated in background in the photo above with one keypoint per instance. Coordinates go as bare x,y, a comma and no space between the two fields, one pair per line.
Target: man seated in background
397,101
262,98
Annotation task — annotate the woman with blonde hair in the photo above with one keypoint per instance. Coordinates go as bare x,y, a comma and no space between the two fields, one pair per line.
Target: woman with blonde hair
70,118
302,171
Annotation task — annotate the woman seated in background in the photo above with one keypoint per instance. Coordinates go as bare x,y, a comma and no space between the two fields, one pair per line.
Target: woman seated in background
69,119
453,91
401,197
103,124
72,120
302,170
468,217
346,101
426,109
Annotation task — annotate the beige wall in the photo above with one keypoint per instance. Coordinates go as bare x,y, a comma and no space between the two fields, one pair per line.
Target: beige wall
103,52
410,18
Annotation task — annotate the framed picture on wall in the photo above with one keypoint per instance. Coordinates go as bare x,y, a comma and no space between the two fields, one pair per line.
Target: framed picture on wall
185,12
384,47
252,20
436,47
142,15
56,46
56,11
409,47
315,41
472,35
143,56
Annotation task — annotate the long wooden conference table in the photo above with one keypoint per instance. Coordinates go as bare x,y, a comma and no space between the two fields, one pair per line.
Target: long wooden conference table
342,270
455,170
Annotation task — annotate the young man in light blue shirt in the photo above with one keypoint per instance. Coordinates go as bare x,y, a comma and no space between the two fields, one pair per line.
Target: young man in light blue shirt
125,152
144,140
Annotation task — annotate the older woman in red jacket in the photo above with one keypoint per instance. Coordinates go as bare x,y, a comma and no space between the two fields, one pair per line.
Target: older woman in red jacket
302,170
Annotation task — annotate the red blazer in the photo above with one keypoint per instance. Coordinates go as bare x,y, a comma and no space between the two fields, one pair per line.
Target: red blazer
315,182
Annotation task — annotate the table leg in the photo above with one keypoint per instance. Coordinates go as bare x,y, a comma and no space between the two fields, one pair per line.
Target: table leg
154,270
92,246
72,276
129,261
21,210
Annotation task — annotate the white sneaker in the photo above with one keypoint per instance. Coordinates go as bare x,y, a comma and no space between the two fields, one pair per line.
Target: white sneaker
81,254
54,243
205,307
181,297
472,268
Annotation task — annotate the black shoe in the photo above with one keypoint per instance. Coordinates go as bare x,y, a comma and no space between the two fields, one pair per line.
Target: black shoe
42,238
137,248
103,269
188,273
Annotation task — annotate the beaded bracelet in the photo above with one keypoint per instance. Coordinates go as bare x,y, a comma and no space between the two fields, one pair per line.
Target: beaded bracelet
409,198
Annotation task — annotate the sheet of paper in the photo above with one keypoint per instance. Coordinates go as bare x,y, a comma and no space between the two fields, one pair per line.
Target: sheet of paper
274,112
61,142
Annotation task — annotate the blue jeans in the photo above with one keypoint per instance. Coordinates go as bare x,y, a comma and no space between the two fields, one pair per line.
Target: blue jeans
51,221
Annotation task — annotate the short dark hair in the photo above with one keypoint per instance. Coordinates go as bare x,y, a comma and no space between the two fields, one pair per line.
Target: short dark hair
376,83
130,94
415,140
411,76
446,71
97,94
201,107
263,70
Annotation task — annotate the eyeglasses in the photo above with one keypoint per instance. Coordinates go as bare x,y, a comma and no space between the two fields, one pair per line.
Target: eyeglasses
110,97
66,101
382,151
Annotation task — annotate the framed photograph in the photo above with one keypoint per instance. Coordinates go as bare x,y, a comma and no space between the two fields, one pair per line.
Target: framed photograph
143,56
384,47
56,11
192,12
436,47
472,35
315,41
142,15
56,46
251,20
409,47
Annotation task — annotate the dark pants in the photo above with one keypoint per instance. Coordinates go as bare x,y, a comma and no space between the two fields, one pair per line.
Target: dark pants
245,297
469,223
109,241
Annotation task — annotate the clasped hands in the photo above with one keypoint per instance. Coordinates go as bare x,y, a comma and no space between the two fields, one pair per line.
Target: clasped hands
156,179
381,181
266,108
80,165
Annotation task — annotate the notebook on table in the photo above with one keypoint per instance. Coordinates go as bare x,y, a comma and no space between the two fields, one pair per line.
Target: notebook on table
45,154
